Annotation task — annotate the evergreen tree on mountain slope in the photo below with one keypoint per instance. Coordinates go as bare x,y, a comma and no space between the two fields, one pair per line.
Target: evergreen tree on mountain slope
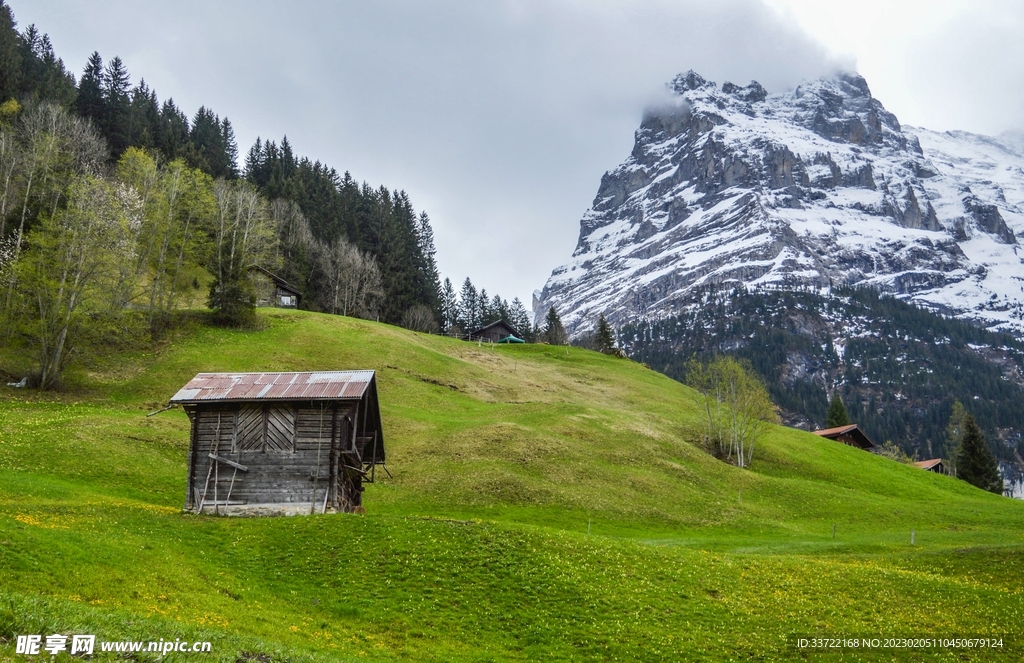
975,464
10,55
449,306
554,331
115,123
90,103
42,76
519,319
604,339
836,412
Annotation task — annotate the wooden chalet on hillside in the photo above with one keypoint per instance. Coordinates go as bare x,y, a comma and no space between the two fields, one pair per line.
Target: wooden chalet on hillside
851,435
281,443
932,465
272,290
492,332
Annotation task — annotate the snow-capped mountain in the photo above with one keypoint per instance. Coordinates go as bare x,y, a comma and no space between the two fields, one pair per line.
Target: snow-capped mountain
816,187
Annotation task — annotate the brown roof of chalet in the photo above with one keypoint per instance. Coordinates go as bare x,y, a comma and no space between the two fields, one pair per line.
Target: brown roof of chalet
852,431
497,323
323,385
928,464
838,430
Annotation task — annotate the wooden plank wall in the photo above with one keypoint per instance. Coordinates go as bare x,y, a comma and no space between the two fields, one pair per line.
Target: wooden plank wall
284,447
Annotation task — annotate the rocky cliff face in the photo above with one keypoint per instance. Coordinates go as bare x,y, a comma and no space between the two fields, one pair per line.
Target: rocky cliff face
817,187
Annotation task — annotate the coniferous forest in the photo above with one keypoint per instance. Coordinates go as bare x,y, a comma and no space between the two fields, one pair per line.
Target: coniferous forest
379,222
118,209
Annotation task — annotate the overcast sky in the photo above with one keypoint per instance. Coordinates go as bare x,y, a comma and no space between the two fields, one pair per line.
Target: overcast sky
499,118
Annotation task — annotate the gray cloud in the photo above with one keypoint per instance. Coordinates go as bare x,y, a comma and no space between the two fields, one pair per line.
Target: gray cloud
498,118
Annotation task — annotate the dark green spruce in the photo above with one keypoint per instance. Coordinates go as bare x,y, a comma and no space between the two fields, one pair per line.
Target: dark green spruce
837,415
975,464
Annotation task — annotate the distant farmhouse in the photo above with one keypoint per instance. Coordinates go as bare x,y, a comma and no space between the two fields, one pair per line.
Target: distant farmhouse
494,332
933,465
272,290
851,435
281,443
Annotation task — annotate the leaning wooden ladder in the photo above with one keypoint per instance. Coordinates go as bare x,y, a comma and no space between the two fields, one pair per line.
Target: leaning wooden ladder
215,472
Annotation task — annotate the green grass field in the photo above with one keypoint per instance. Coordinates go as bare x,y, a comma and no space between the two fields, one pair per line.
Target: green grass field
547,504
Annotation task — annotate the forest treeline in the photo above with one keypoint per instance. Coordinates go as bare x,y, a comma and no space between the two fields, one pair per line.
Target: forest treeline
117,209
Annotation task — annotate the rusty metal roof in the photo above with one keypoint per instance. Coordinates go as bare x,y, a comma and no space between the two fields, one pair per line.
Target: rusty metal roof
324,385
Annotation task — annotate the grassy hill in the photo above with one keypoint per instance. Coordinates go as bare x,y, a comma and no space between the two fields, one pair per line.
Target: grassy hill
546,504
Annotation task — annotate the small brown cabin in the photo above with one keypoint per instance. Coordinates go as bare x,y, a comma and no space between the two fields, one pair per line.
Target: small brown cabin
932,465
493,332
851,435
281,443
272,290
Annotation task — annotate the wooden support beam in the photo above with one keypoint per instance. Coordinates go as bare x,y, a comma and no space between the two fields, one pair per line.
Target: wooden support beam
237,466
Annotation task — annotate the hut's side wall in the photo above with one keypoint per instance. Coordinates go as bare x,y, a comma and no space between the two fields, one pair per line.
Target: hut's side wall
274,476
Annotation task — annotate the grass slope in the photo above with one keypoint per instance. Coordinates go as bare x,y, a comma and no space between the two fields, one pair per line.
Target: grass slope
545,505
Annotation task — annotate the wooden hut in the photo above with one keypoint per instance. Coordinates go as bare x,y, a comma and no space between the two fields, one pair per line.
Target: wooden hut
272,290
281,443
492,332
932,465
851,435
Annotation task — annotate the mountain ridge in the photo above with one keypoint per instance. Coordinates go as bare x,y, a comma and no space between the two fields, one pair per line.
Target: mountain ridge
817,187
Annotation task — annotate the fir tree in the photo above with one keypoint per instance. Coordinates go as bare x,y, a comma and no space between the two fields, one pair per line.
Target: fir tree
519,318
449,306
89,103
172,137
10,55
117,106
836,413
42,76
554,332
975,464
483,310
468,306
604,339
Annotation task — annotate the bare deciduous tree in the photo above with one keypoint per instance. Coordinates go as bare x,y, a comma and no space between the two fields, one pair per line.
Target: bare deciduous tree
351,283
421,318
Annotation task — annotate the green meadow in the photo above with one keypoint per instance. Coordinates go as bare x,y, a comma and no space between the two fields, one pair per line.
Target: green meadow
545,503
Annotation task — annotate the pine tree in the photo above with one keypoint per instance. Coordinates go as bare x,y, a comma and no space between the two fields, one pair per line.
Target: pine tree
449,306
836,413
10,56
519,318
468,306
604,339
117,106
172,137
208,149
975,464
90,103
230,147
483,308
554,332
